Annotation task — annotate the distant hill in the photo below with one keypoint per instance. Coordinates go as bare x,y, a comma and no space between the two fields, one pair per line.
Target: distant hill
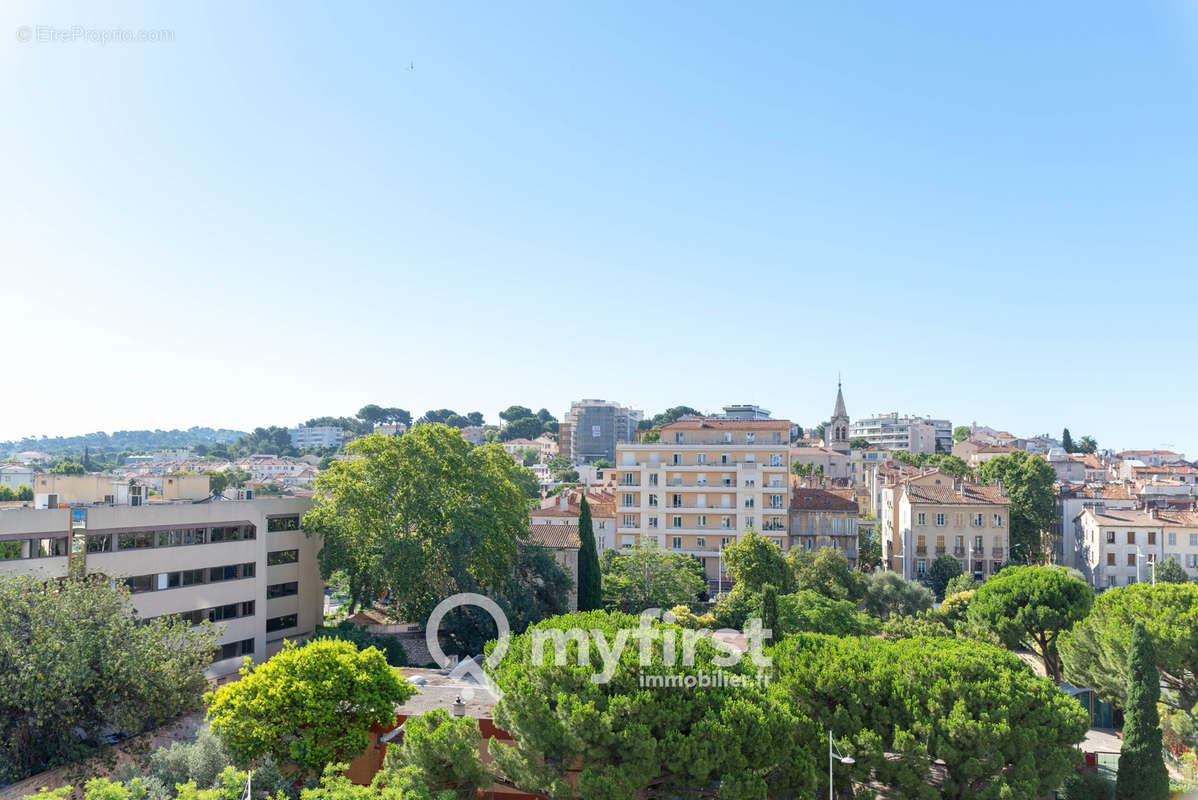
133,441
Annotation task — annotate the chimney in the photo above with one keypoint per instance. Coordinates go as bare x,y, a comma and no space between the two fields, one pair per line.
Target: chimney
563,503
1152,513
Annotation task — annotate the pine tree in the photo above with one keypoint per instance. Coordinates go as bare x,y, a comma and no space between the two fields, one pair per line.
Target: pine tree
1142,774
1067,441
590,591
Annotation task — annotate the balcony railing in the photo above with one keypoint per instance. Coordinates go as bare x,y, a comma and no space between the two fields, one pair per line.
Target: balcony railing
921,550
959,552
998,552
939,549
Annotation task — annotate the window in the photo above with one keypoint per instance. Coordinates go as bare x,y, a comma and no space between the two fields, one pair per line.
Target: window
1194,540
977,520
749,502
701,458
282,589
748,522
652,478
233,649
627,499
1110,559
1131,537
99,543
1110,537
281,623
134,541
676,522
1131,559
231,534
677,459
282,524
977,544
727,437
1172,539
940,520
679,437
1151,537
750,437
921,518
700,542
921,567
998,520
775,459
652,522
653,501
282,557
701,520
677,542
726,540
725,522
630,520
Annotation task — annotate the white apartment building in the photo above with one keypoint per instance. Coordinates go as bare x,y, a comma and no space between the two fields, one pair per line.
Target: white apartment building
1117,547
321,436
1072,500
245,566
703,484
913,434
16,475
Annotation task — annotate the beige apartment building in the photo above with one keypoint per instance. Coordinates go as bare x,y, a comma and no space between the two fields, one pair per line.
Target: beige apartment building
703,484
244,565
935,514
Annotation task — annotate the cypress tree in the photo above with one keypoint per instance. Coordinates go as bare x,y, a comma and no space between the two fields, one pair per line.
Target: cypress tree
590,591
1142,774
769,611
1067,442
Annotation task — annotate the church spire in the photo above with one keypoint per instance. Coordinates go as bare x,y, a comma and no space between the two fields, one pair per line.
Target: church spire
839,410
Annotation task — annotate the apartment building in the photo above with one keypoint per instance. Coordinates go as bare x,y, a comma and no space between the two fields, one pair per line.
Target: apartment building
304,438
935,514
14,476
592,429
1152,458
1118,547
1072,500
245,566
824,518
702,484
913,434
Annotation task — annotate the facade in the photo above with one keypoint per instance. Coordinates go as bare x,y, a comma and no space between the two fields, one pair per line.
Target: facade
703,484
936,514
913,434
475,434
1117,547
824,518
54,491
321,436
562,541
563,509
1072,500
16,475
832,464
1153,458
245,566
592,429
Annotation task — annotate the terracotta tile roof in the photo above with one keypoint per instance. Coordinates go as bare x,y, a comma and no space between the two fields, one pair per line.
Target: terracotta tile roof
1121,516
1107,491
970,494
1148,453
555,537
737,424
997,448
821,500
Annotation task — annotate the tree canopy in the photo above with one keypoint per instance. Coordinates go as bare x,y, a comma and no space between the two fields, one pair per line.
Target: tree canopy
897,705
889,594
943,570
1032,606
444,750
590,581
826,571
1096,650
1029,481
1168,570
75,662
754,561
615,740
404,515
1142,773
646,576
961,433
666,417
308,706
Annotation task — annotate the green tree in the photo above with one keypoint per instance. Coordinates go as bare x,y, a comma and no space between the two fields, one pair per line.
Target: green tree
590,582
68,468
896,706
475,418
645,576
806,611
457,421
671,415
406,515
308,706
1169,571
858,443
601,463
826,571
613,740
445,751
217,482
530,456
769,611
954,611
1097,649
961,433
372,414
75,662
1142,773
1031,607
1029,481
888,594
964,582
362,638
943,570
869,544
523,428
558,466
1067,441
513,413
1087,444
753,561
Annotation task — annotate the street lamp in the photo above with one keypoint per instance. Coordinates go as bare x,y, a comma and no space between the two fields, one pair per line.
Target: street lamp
1151,560
834,754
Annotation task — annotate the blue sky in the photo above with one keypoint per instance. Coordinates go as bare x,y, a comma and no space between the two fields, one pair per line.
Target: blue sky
977,213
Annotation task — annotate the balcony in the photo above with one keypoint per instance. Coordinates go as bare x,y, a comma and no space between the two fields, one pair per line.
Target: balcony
773,526
940,549
959,552
998,552
921,550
